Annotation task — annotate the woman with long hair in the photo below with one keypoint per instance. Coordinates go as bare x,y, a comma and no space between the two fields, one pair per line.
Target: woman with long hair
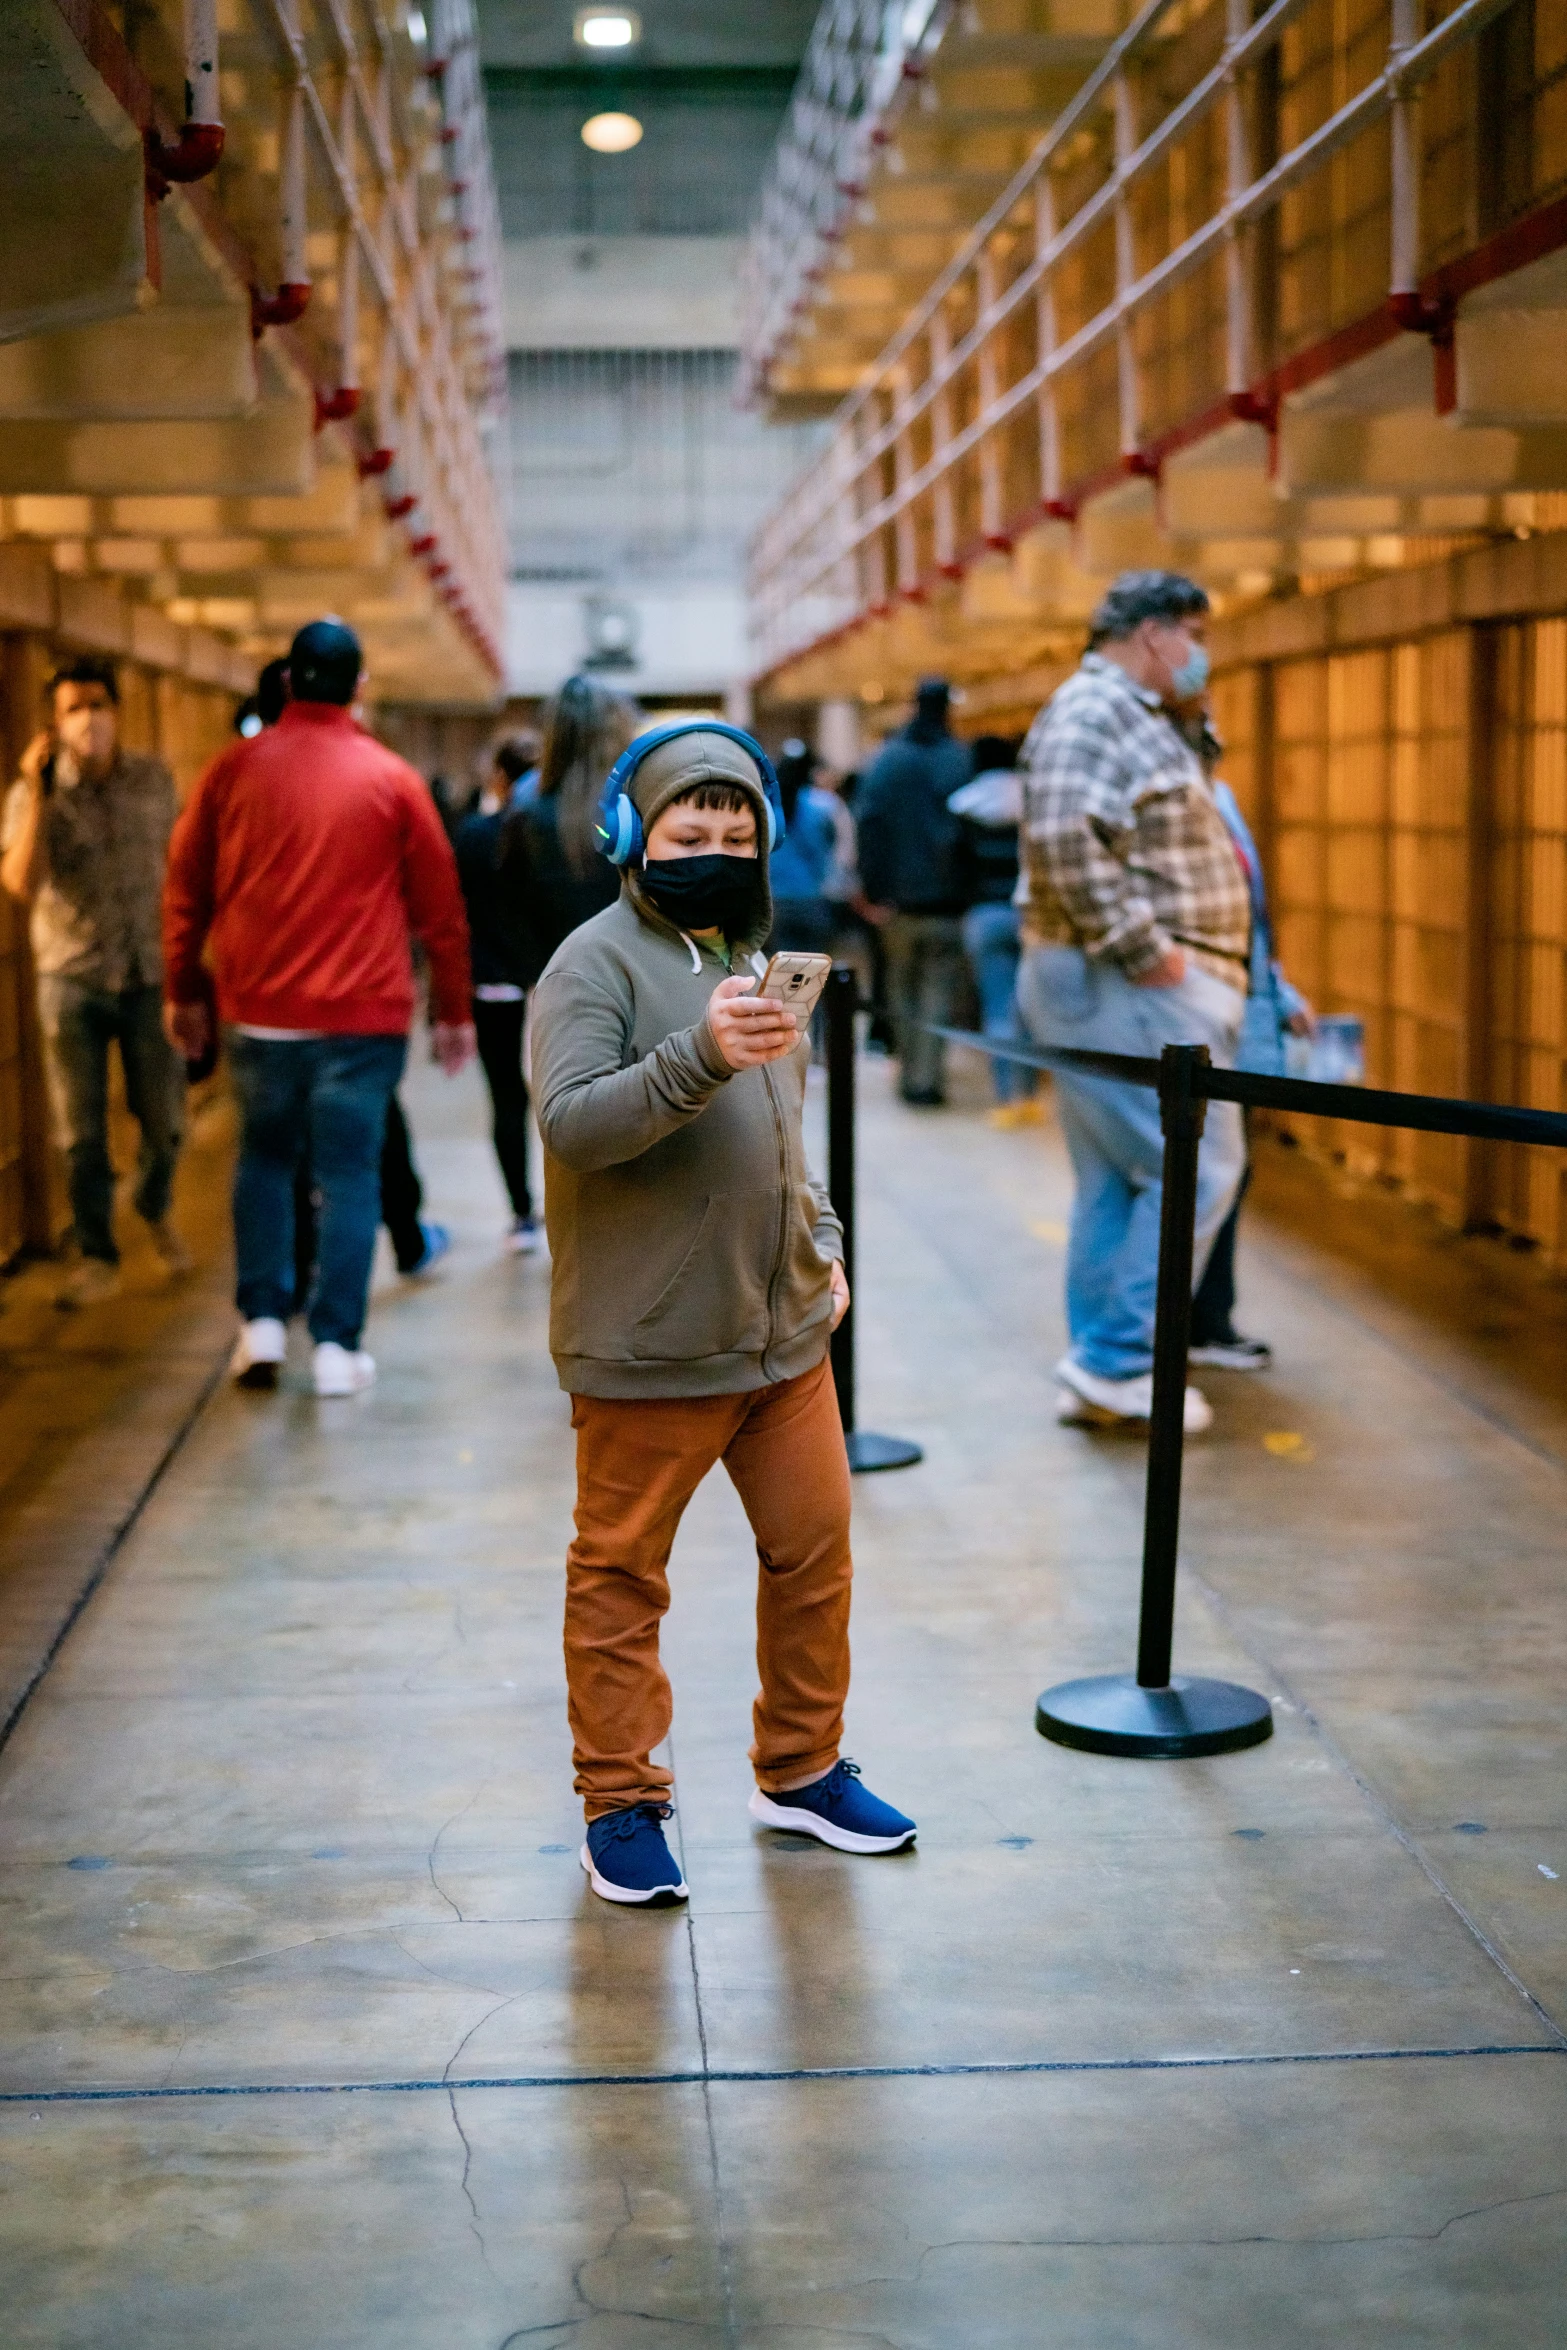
556,877
502,974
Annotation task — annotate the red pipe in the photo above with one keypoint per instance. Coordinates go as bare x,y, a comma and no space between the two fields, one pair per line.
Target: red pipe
336,407
194,155
1435,316
284,308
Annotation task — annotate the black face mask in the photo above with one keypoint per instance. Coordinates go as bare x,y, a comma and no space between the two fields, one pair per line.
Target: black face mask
704,893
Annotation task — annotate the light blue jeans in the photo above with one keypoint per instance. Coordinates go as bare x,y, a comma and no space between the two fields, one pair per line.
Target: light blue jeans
1112,1131
990,941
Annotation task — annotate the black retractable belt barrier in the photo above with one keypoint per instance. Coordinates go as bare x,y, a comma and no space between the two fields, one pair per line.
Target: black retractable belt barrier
1154,1714
866,1450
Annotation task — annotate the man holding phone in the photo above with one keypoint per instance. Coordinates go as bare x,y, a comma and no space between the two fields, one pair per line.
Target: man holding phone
83,844
696,1282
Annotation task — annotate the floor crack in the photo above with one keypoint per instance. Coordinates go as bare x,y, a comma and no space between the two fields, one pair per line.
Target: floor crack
436,1846
467,2166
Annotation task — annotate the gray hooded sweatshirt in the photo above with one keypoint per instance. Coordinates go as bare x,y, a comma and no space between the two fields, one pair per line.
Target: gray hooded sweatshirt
692,1247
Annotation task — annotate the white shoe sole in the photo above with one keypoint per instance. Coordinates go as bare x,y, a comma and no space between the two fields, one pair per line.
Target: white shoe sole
772,1814
1075,1411
1215,1359
347,1383
661,1896
1090,1412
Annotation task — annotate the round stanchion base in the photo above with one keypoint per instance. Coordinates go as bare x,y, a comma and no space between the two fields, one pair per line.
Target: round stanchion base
1116,1715
868,1451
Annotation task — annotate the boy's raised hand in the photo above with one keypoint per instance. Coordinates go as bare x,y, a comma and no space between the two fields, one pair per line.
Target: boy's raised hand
750,1029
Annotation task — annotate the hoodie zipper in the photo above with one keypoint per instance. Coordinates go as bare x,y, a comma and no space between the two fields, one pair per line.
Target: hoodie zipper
780,1136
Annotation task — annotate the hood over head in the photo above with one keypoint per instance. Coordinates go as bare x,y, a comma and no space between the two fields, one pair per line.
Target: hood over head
677,767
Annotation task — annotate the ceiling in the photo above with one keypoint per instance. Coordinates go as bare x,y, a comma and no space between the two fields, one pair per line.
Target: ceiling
708,82
764,33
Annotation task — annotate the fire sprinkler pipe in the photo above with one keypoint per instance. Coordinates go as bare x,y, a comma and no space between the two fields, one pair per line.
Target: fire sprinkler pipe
196,152
292,298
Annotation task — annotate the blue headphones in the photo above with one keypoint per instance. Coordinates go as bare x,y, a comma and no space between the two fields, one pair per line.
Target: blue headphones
619,828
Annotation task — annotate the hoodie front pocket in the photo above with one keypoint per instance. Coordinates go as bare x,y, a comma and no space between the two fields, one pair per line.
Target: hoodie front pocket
715,1303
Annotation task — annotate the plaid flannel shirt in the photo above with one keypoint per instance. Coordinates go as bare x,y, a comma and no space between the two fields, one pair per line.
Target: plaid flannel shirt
1125,853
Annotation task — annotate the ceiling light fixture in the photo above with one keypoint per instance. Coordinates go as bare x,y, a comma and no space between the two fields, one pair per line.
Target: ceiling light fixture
611,134
607,28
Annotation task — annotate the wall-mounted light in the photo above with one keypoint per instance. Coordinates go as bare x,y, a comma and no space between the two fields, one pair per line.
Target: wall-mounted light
611,134
607,28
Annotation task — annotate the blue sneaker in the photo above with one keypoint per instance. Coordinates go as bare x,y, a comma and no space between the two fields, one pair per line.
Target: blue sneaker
627,1859
837,1810
437,1244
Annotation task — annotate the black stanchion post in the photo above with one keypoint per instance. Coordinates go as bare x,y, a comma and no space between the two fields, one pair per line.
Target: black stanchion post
866,1450
1154,1715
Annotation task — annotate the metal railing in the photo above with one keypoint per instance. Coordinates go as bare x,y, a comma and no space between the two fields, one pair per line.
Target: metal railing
1154,1713
434,304
878,516
862,58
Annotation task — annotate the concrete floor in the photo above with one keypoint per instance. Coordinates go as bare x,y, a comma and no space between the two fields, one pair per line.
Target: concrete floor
313,2039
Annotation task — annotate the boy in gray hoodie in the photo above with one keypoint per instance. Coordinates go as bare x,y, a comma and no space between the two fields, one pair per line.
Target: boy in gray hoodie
697,1280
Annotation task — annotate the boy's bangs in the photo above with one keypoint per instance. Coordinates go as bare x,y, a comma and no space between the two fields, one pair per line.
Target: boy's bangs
729,799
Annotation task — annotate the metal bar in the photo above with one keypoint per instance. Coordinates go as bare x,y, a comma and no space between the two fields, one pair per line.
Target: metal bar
1419,1113
842,1003
1182,1071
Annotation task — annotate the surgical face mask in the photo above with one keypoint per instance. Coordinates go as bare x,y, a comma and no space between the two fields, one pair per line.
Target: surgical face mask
703,893
1187,682
88,734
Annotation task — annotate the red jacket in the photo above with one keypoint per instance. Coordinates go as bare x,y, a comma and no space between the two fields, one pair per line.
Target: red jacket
309,854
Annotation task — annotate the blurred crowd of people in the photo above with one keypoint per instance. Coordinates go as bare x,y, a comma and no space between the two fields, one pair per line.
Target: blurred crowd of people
1095,883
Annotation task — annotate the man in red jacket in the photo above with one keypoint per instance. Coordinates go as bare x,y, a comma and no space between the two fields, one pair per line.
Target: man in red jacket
308,855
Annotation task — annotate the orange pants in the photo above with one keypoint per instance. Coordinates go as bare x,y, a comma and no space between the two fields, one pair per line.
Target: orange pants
638,1465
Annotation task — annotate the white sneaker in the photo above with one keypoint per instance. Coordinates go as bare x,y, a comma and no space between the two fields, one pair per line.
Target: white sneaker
1236,1354
525,1238
1086,1400
342,1370
258,1355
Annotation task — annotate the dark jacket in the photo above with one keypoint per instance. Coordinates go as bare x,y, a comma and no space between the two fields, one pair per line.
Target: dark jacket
908,836
989,811
547,896
499,951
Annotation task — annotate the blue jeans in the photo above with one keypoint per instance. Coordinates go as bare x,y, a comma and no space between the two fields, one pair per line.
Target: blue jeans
326,1097
1112,1131
79,1023
990,941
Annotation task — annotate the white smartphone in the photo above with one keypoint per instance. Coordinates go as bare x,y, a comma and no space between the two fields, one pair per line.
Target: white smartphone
796,980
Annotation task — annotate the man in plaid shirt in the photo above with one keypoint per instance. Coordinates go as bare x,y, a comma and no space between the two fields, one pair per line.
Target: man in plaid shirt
1136,929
